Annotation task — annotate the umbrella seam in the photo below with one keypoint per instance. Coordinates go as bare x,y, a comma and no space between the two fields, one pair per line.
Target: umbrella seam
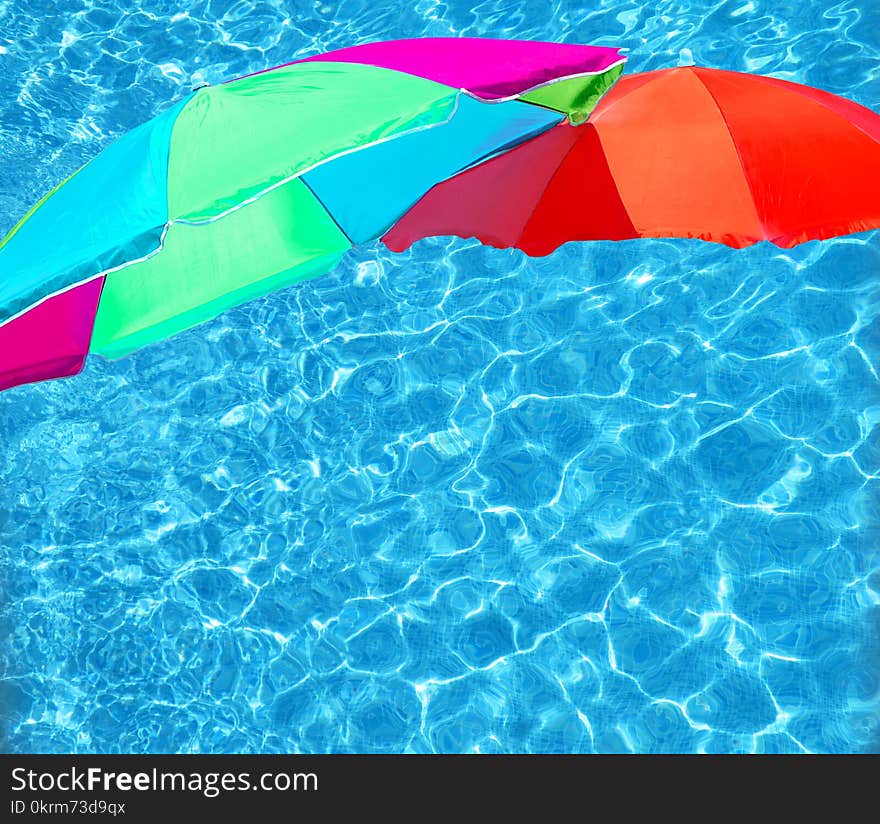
90,278
614,103
546,186
330,214
553,177
344,153
739,157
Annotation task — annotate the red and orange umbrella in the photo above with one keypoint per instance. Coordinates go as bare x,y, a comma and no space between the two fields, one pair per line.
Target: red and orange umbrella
688,152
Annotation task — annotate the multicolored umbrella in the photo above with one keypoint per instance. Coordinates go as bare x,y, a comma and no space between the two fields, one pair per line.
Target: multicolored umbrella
245,187
688,152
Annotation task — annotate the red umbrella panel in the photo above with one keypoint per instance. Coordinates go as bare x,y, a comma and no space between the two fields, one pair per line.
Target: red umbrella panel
688,152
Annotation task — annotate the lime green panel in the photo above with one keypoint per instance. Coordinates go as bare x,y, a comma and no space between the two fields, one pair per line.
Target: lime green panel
575,96
284,237
235,140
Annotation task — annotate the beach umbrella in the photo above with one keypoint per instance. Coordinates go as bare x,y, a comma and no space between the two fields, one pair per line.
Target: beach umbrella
688,152
248,186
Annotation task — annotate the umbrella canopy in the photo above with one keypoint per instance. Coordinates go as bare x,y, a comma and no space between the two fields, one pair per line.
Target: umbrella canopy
687,152
230,194
565,77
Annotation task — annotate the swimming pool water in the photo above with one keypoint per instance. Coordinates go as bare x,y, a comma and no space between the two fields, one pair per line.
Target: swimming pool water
622,498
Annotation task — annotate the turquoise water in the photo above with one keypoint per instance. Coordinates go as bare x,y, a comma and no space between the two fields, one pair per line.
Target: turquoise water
622,498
